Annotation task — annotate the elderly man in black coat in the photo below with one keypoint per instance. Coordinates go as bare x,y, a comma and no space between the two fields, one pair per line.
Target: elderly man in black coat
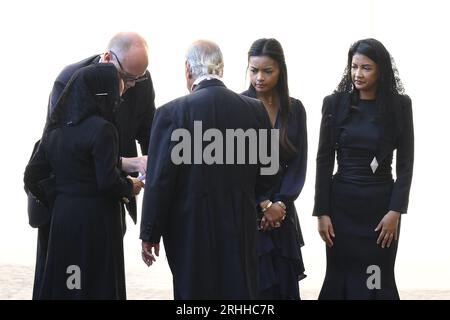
200,187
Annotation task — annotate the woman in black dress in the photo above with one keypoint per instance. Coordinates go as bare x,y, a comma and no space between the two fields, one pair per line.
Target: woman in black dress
280,238
359,207
80,148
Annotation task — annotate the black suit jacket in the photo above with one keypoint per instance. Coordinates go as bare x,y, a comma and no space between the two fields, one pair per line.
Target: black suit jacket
398,134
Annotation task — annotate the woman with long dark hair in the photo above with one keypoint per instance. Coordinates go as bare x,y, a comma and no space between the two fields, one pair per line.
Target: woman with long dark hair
359,207
280,236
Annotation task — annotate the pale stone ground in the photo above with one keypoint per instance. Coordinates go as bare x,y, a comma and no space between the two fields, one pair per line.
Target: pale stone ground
16,283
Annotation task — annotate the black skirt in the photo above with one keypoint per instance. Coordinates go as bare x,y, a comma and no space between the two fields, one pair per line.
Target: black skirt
357,267
86,244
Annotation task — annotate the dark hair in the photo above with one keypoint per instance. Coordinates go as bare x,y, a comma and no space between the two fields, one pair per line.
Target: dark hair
272,48
389,83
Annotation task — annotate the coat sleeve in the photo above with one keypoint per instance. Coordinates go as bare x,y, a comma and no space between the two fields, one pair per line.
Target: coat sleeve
146,104
105,154
325,160
294,178
38,175
160,180
405,161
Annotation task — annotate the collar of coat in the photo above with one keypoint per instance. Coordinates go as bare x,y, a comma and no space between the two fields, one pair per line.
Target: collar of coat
207,82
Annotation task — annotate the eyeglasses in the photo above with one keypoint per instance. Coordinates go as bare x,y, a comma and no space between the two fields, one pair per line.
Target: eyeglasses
124,75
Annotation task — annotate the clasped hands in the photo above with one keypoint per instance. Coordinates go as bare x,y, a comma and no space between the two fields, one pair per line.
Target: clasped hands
273,215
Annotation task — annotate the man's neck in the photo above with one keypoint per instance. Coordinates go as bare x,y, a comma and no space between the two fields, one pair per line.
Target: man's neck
204,77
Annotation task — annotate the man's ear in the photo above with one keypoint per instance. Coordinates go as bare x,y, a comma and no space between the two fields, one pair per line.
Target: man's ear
107,57
188,70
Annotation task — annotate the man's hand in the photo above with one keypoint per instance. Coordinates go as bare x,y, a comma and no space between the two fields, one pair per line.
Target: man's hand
147,252
136,164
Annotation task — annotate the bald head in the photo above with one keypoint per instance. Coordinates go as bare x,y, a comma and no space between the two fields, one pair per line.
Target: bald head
204,57
131,53
124,41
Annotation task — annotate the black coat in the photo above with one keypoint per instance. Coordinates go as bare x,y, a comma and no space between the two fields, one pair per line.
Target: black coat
80,147
398,134
206,214
133,118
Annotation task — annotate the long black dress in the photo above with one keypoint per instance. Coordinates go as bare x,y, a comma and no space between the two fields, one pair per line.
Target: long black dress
279,250
80,147
361,194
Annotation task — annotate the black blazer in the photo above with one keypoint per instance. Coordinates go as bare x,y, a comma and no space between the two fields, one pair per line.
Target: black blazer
397,134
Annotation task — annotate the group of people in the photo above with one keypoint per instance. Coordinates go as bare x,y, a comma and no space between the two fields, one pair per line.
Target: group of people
230,230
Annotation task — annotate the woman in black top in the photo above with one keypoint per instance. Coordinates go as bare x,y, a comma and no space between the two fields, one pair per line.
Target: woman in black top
80,148
280,238
359,207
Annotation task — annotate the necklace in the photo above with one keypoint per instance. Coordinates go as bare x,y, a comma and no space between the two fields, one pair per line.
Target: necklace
268,102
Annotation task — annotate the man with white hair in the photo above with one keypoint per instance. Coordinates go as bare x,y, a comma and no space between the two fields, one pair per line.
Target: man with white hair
133,119
204,208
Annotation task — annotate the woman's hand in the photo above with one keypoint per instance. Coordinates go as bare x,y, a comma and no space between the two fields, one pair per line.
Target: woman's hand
137,185
389,228
325,228
273,217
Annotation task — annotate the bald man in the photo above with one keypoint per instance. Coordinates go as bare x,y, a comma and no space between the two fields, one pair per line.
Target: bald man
128,51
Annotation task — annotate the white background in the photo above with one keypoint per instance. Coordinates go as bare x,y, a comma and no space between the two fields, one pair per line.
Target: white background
38,38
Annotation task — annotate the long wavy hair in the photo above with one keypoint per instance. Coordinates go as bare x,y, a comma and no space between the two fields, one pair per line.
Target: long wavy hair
389,83
272,48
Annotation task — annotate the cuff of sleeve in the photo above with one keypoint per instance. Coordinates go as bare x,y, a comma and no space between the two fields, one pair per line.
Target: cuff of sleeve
278,197
130,194
321,211
402,211
398,206
151,234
